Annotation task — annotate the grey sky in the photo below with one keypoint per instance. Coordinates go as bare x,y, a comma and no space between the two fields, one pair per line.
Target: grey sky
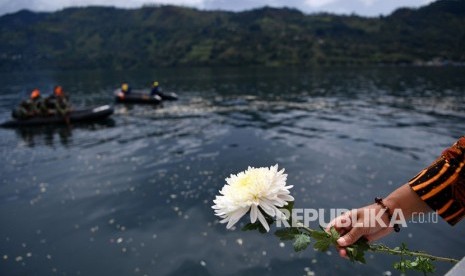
361,7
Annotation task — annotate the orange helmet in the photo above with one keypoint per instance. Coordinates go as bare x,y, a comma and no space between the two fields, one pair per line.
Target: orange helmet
58,91
35,93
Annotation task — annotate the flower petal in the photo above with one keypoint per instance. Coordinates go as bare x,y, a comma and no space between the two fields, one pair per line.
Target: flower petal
253,213
236,216
262,220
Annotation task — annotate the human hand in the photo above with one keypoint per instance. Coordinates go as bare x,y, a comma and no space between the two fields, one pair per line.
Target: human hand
370,222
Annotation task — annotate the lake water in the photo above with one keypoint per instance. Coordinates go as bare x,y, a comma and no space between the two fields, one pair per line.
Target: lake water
133,195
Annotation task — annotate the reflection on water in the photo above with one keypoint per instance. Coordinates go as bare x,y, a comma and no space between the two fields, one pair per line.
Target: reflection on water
50,135
31,135
134,196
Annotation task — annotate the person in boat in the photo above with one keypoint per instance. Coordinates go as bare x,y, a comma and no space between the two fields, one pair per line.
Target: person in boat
37,102
58,102
156,90
125,90
439,187
24,110
34,106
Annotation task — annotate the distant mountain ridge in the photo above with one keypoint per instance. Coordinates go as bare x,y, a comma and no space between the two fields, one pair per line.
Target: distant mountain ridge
102,37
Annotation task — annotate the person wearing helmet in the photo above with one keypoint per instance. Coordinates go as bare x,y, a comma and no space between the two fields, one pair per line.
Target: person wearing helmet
38,107
125,90
58,101
155,89
34,106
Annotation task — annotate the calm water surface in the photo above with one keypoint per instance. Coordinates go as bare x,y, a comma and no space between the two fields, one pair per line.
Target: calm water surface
133,195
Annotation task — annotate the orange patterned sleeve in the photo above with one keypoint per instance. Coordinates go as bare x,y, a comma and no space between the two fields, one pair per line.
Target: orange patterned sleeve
442,184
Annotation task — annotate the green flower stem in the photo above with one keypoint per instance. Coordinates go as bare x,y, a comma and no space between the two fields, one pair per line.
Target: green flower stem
384,249
393,251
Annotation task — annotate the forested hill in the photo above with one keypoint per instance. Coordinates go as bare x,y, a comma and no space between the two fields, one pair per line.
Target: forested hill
101,37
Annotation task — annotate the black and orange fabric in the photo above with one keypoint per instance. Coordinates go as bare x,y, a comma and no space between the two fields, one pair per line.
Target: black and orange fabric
442,184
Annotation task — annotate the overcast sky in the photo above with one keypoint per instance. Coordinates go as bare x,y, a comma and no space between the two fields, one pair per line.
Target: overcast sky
361,7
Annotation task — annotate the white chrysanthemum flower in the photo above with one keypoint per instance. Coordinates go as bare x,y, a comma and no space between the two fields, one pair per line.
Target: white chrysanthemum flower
256,187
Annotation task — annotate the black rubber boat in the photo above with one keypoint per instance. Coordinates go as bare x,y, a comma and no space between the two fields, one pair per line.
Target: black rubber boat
139,98
75,116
